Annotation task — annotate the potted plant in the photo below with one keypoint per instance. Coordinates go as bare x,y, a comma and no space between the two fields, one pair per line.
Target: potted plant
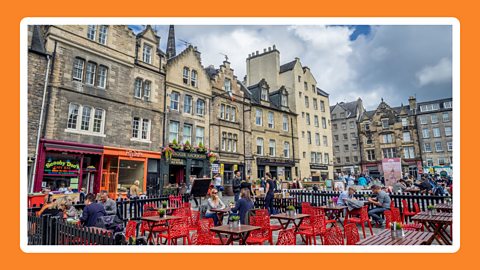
187,147
174,144
234,221
201,148
430,209
164,204
396,230
161,212
212,157
291,210
330,202
448,201
168,151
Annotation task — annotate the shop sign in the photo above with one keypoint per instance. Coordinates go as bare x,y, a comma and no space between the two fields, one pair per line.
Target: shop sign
215,167
319,167
275,161
177,161
133,153
61,167
222,168
189,155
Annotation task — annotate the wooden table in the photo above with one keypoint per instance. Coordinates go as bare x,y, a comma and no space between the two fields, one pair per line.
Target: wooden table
436,223
443,207
334,212
234,233
153,221
220,213
285,220
411,238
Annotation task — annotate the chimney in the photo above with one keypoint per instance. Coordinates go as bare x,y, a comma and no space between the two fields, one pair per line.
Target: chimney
412,101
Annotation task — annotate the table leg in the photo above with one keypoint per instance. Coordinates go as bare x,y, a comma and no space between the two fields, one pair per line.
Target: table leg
221,238
150,232
220,218
243,238
284,224
437,232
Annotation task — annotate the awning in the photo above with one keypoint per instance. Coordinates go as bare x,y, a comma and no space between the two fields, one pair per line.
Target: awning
73,149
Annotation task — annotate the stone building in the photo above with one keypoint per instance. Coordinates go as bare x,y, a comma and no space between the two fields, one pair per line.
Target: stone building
230,125
104,109
274,139
346,144
389,133
310,103
434,121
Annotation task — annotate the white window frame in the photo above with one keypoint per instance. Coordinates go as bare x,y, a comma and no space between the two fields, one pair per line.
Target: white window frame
258,117
286,149
437,149
147,53
434,118
199,136
200,107
78,121
264,94
92,32
285,122
425,133
188,103
406,136
447,105
185,136
272,148
315,121
140,131
436,132
322,106
102,34
175,101
449,146
102,77
325,141
423,119
194,78
271,120
90,73
448,131
170,125
185,75
427,149
147,90
137,88
260,146
227,85
77,69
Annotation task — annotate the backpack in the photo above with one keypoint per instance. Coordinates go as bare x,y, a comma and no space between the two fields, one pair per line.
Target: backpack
112,223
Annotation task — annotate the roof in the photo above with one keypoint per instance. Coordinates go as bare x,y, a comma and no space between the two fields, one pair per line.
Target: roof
322,93
288,66
350,107
37,44
273,96
211,71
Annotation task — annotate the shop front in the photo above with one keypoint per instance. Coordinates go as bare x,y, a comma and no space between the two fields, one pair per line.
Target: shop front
412,167
122,167
68,165
319,172
372,169
280,168
178,169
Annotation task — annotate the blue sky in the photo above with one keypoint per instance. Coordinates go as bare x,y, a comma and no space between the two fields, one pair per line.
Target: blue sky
371,62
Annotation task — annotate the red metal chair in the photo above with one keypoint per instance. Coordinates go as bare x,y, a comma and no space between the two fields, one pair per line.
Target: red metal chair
131,229
187,205
287,237
406,211
175,201
351,233
194,220
178,229
159,226
321,212
273,227
361,220
406,226
258,237
204,236
306,206
416,207
333,236
317,228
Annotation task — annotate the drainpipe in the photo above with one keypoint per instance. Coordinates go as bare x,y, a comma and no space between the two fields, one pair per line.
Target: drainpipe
293,148
40,124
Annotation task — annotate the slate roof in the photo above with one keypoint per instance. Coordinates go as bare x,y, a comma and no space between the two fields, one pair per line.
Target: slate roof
288,66
37,44
211,71
322,93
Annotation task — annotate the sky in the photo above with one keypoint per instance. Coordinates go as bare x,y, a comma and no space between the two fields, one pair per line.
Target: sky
348,62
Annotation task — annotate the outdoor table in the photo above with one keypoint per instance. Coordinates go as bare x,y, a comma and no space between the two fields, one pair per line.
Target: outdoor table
443,207
285,220
411,238
153,221
168,210
220,213
240,232
436,223
334,212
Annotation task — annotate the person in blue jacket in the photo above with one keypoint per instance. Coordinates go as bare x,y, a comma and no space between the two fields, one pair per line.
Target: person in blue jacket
243,205
92,211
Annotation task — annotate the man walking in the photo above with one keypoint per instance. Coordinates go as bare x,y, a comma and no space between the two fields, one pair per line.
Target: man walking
236,184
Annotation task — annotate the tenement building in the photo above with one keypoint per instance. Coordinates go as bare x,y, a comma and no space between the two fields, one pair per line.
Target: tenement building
103,108
346,144
390,135
307,101
434,121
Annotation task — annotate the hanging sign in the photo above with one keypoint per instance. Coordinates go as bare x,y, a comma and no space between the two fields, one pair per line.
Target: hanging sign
60,166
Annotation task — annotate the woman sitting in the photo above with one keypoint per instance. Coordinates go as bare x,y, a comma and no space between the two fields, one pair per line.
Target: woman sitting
214,202
243,205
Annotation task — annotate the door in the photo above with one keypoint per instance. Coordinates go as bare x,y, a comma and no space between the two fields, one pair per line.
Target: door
153,184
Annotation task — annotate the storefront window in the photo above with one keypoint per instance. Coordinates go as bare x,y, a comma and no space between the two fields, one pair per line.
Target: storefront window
128,172
61,172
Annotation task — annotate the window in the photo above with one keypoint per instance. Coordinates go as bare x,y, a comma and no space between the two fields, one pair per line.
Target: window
342,115
335,138
235,142
173,131
258,117
387,138
193,80
299,78
369,140
345,136
352,124
449,146
140,128
339,160
409,152
264,94
434,118
326,158
222,111
147,88
186,73
174,101
315,120
337,148
438,147
308,118
285,122
427,147
404,122
102,76
145,129
429,107
304,154
86,118
389,152
201,107
423,120
355,158
227,85
441,161
137,92
313,88
370,154
447,105
135,127
90,74
325,141
315,104
385,123
303,134
147,53
271,147
344,125
299,94
426,133
199,135
322,106
313,157
284,100
406,136
78,65
271,123
353,136
305,86
227,113
286,149
187,104
354,146
187,133
448,131
309,137
72,115
229,142
347,159
429,162
260,146
224,141
445,117
102,34
334,116
436,132
317,139
98,120
306,102
91,32
346,148
366,126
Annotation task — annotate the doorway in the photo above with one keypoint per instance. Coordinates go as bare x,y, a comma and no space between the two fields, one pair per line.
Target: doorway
177,174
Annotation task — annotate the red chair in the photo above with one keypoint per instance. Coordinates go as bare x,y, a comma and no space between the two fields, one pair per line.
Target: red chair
406,211
175,201
203,235
416,208
194,220
317,228
187,205
131,229
321,212
306,206
273,227
333,236
178,229
159,226
351,233
361,220
258,237
287,237
406,226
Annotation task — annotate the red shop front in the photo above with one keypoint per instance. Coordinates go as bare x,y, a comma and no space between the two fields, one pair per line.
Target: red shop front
68,164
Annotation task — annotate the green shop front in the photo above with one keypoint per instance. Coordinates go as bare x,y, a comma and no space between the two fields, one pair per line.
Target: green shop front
182,165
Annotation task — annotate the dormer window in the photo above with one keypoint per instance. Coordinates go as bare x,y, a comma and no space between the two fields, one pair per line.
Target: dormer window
186,73
147,53
194,78
284,100
385,123
264,94
227,84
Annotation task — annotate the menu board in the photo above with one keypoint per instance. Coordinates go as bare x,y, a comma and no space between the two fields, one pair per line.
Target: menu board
74,183
61,167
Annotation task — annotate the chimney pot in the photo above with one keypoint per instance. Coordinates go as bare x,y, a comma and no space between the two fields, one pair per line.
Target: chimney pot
256,52
274,46
269,48
265,50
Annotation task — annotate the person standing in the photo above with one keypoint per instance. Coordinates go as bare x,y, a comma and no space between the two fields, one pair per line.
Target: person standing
92,211
135,190
236,184
269,191
217,181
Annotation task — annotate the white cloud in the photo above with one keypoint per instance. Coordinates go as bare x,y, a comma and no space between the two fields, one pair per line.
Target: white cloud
439,73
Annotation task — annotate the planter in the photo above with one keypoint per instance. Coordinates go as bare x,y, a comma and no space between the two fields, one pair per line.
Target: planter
397,234
430,213
235,224
291,213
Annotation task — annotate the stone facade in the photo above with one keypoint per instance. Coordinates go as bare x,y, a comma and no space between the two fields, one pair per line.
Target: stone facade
346,144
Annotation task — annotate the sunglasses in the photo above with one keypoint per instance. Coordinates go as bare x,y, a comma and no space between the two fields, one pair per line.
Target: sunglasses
214,192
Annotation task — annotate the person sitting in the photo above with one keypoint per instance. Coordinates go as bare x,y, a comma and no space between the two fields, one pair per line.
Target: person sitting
92,211
344,195
382,203
109,204
214,202
243,205
362,181
62,188
399,186
70,210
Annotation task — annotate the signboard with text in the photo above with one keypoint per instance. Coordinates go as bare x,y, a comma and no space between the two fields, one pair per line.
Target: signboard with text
392,170
62,167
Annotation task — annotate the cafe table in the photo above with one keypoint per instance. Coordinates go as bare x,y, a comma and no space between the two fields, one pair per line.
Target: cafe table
411,238
240,232
443,207
333,212
436,223
285,220
154,221
220,214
